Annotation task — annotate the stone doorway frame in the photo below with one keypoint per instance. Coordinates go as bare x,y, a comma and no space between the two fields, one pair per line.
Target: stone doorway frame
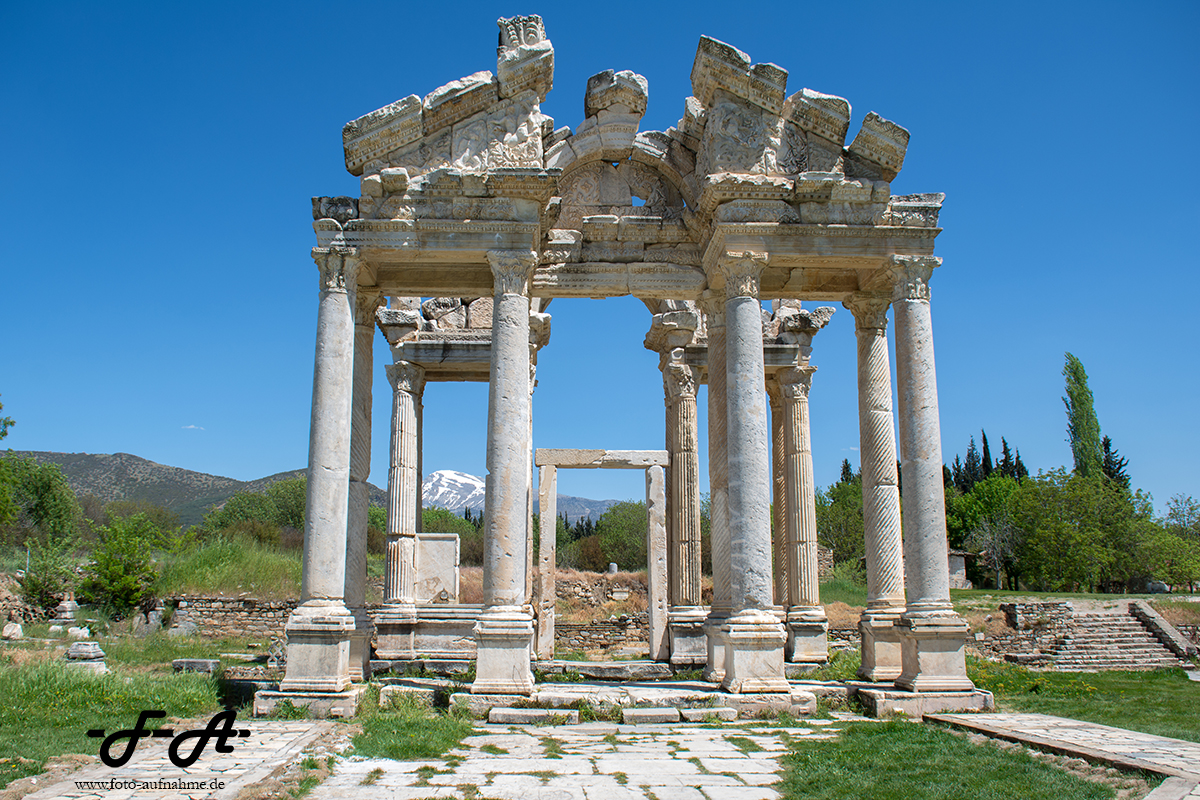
654,462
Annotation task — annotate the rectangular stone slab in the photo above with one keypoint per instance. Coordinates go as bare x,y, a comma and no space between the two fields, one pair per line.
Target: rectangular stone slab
600,459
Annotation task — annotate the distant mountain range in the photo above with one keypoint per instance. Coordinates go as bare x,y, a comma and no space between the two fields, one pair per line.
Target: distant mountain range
455,491
121,476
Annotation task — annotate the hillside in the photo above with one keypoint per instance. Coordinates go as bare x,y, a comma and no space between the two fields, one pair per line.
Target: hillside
121,476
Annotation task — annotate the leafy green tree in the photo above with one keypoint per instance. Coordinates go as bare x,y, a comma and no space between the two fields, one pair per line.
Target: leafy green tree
1083,428
1183,516
622,530
162,518
290,497
470,540
840,519
1113,465
51,572
121,575
982,521
253,507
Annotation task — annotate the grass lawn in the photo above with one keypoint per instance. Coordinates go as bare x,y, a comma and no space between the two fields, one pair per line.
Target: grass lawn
48,710
1161,702
406,729
907,761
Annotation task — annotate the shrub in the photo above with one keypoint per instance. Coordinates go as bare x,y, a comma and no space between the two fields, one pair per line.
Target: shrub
121,575
51,570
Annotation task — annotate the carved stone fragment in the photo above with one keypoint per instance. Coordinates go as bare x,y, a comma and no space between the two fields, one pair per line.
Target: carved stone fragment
622,92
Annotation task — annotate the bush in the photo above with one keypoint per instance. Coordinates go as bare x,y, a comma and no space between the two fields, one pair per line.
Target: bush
121,575
51,570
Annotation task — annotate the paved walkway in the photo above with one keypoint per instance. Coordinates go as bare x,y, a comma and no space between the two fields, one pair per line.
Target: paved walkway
219,776
593,761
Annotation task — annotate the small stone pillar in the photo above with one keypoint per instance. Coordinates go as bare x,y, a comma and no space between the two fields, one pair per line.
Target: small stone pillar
360,470
753,635
656,572
505,629
880,491
932,635
807,625
718,488
319,629
687,615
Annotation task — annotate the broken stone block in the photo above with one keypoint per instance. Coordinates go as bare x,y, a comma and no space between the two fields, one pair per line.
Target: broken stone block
13,630
623,92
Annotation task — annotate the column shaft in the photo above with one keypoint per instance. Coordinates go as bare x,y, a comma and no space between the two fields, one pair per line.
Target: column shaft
684,498
407,381
779,494
547,591
718,512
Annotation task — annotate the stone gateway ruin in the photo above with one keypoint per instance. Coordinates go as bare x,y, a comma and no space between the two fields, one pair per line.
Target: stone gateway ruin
472,198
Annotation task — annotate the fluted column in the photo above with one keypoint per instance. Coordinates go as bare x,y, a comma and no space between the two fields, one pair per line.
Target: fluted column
718,513
754,636
779,496
932,635
807,625
505,627
319,629
360,470
687,641
880,491
404,485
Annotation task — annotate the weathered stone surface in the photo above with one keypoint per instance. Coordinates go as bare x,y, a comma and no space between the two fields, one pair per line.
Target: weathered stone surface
649,716
395,694
319,705
532,716
13,630
206,665
708,714
84,651
525,59
437,568
883,703
78,633
600,459
621,92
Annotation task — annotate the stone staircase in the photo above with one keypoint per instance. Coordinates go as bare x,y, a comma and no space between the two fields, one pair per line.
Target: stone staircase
1104,641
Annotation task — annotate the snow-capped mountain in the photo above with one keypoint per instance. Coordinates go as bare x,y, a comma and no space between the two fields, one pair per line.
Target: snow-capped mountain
454,490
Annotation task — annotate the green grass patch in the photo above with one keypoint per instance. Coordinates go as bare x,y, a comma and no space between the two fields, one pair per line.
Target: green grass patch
231,565
1161,702
842,666
843,590
48,710
159,650
905,761
745,744
406,730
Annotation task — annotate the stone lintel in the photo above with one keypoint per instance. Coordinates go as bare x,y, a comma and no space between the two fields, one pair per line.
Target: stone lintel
600,459
646,279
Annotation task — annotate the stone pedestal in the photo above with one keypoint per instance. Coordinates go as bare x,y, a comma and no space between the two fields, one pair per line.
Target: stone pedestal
753,643
395,633
807,636
318,655
689,644
931,652
880,647
502,638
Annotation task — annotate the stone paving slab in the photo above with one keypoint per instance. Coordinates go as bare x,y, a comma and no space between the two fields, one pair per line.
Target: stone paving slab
270,745
597,761
1116,746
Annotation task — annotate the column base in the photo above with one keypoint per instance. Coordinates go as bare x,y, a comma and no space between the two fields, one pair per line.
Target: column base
881,660
685,629
319,704
754,653
360,646
932,654
503,637
714,645
396,632
318,648
807,636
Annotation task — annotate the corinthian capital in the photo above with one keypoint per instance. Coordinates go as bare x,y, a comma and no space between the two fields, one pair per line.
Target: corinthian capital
869,310
406,376
339,267
794,383
910,276
511,270
679,380
742,273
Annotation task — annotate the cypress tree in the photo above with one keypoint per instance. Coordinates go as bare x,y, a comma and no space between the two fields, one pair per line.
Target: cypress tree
1083,428
1019,471
847,472
986,464
1006,466
973,468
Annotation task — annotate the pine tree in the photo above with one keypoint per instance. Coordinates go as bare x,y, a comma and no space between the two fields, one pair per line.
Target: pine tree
986,465
972,468
1114,464
959,476
1083,428
847,472
1019,471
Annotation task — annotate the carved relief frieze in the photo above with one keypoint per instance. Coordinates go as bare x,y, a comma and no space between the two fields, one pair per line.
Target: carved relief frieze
737,138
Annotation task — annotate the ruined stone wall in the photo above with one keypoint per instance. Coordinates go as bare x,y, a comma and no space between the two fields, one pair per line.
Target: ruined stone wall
1192,632
602,634
231,616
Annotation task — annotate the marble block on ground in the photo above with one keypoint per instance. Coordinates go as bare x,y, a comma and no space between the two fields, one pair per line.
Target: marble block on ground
882,703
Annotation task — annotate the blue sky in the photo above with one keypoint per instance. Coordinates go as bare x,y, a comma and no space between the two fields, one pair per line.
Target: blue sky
158,159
